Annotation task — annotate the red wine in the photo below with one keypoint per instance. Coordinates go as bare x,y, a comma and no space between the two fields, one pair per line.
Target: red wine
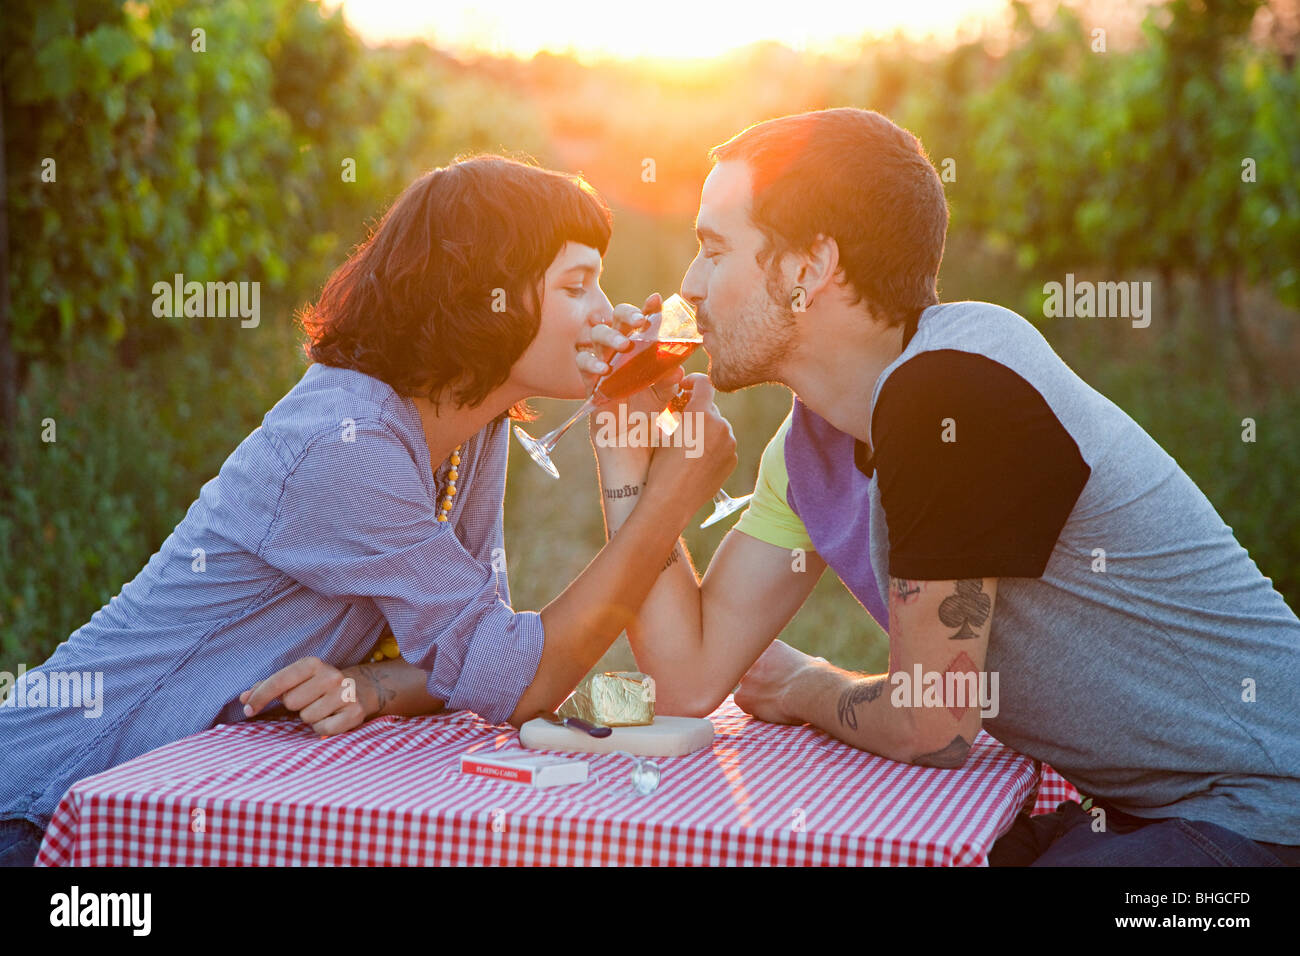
642,365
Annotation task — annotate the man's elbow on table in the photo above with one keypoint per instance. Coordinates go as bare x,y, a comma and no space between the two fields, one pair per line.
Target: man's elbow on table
942,747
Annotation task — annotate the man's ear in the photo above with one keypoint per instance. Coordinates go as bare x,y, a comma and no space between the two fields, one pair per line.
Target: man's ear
821,264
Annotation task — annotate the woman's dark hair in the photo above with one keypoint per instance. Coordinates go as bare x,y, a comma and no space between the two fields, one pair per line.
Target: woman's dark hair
446,293
853,175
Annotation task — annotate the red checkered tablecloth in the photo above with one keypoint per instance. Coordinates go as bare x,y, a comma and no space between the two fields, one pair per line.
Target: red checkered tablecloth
1053,789
392,793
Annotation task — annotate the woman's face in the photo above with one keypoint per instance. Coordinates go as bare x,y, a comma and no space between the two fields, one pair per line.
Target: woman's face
572,303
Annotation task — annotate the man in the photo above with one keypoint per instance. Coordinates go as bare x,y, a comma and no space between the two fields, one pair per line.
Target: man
989,508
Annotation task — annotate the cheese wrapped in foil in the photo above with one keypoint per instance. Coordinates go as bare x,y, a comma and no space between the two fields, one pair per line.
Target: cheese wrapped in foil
613,699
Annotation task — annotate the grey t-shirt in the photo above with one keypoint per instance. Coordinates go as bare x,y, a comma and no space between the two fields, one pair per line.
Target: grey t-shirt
1167,684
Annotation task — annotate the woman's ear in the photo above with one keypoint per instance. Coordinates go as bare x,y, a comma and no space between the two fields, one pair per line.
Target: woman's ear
534,295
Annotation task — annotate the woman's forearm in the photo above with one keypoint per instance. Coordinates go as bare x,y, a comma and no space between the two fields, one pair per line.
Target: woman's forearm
667,633
393,688
590,613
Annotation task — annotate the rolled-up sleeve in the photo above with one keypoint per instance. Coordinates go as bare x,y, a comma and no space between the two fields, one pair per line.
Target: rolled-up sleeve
355,519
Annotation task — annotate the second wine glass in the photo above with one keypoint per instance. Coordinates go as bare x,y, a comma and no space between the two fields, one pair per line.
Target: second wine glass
724,506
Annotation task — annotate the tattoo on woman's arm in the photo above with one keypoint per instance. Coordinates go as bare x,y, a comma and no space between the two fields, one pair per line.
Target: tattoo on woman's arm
384,694
672,558
627,491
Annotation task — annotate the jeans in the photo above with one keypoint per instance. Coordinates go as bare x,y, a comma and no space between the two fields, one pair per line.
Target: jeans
1065,837
20,841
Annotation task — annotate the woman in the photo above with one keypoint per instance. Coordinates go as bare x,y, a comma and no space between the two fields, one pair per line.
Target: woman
370,498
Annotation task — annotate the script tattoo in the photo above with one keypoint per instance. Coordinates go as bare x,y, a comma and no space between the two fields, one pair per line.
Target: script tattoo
950,757
627,491
672,558
861,692
968,606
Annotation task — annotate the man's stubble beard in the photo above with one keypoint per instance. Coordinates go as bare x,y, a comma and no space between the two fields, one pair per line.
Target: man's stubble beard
753,351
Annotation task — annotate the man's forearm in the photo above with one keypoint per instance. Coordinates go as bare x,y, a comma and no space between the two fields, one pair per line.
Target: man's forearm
856,709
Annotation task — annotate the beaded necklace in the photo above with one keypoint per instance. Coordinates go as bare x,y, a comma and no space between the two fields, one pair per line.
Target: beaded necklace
452,475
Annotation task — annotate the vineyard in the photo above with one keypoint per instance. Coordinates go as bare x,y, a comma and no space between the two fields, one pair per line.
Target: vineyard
254,142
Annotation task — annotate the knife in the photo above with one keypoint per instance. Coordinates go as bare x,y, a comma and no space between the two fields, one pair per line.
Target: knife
576,723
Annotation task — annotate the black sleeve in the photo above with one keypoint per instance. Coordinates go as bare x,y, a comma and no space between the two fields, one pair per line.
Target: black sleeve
992,499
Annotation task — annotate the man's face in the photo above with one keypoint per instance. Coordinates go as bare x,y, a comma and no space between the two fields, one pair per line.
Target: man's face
747,332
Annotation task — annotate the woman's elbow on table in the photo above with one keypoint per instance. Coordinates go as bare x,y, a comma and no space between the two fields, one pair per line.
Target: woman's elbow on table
681,699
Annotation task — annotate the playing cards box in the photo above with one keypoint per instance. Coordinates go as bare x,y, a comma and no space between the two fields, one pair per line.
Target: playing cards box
521,767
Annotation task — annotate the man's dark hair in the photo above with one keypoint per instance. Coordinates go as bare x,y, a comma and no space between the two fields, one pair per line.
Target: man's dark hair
414,304
856,177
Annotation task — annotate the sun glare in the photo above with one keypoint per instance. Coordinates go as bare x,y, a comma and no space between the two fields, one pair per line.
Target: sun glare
668,28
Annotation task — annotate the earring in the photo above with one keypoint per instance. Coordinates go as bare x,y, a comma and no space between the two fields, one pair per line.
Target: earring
798,299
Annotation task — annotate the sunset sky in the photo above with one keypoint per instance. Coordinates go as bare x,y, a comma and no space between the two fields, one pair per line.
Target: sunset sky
683,28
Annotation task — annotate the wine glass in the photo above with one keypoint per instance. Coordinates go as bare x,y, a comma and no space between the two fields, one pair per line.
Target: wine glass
668,342
724,505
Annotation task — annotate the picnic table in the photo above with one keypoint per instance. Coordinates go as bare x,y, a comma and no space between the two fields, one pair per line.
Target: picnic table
391,792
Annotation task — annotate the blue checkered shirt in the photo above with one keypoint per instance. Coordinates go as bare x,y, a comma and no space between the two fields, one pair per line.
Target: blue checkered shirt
318,532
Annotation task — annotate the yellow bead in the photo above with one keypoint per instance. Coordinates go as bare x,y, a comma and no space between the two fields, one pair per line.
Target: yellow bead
446,506
442,517
451,492
453,475
455,460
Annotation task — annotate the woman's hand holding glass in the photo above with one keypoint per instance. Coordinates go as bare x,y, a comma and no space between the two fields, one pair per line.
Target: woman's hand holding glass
661,345
644,405
634,460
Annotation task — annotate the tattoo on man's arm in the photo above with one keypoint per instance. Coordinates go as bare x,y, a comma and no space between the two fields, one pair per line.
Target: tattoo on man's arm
903,592
950,757
863,691
627,491
906,591
967,609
